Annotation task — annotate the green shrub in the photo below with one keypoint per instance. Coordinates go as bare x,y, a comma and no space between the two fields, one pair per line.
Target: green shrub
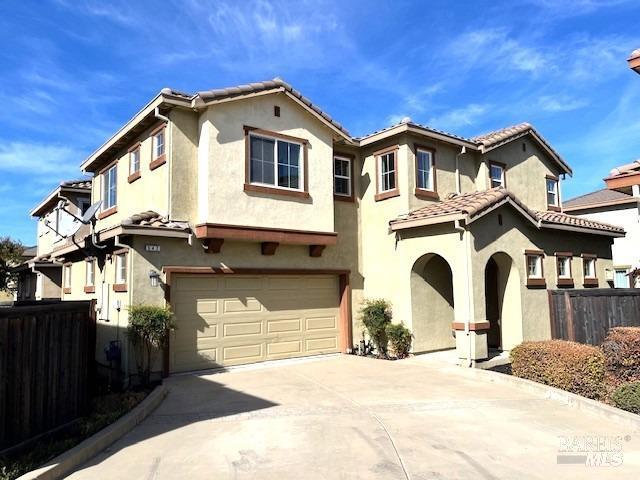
621,349
571,366
148,331
375,315
400,339
627,397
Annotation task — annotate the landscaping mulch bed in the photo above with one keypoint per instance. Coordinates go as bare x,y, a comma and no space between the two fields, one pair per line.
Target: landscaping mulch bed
105,409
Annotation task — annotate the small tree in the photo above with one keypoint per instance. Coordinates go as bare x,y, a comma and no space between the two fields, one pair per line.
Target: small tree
375,315
10,256
400,339
148,331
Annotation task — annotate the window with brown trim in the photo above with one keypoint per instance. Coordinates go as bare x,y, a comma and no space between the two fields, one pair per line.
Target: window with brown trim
497,174
90,276
535,268
158,147
110,187
343,177
134,163
589,273
120,284
275,163
67,278
425,172
386,173
563,269
553,202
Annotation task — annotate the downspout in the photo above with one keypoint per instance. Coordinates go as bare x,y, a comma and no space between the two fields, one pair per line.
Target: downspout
169,147
462,152
116,243
466,238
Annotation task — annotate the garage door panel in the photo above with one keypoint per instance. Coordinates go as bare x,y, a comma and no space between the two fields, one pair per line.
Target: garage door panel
246,319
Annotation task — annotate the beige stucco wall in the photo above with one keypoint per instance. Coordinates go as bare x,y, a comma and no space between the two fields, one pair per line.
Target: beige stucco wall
525,171
183,167
149,192
221,167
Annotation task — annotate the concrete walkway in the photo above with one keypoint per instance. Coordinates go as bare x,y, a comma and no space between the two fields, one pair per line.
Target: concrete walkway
356,418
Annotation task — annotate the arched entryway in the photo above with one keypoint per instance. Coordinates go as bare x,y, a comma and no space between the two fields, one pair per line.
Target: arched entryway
502,302
432,304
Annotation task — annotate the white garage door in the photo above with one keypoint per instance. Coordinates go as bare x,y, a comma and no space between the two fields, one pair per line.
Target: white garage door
232,320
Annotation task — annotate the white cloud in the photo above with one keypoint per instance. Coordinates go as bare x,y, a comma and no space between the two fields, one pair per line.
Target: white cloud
561,103
50,163
459,117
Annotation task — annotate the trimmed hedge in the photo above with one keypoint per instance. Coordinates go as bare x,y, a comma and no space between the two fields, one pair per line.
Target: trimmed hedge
375,315
627,397
621,349
400,339
570,366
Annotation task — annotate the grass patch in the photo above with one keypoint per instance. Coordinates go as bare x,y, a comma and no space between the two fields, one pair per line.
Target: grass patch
105,410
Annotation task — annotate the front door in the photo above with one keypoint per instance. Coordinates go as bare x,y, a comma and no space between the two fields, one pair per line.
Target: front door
492,304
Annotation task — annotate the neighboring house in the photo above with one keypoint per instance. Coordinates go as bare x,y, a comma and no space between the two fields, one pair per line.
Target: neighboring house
263,224
618,204
634,61
40,277
26,282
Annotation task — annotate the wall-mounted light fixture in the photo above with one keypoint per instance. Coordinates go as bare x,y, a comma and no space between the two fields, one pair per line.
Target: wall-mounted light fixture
154,277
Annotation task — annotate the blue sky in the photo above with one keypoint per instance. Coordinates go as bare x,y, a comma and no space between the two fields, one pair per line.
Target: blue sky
73,71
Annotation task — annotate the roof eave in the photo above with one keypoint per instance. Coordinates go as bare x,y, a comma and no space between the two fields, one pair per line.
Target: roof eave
422,222
573,228
406,127
588,206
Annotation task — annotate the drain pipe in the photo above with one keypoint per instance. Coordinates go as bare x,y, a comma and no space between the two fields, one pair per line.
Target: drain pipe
467,267
462,152
125,346
169,153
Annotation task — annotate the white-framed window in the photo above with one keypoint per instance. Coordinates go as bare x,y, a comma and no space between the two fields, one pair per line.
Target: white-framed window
552,192
275,162
564,266
621,278
121,268
158,144
134,161
534,266
342,176
90,273
589,267
424,169
110,187
496,174
67,276
387,169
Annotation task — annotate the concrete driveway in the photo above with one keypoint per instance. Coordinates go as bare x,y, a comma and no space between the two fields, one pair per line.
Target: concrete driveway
346,417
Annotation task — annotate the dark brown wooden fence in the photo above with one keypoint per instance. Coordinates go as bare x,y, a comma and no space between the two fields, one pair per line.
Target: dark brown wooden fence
46,366
586,315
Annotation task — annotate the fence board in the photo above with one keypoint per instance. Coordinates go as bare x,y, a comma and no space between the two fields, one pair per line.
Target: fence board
45,367
586,315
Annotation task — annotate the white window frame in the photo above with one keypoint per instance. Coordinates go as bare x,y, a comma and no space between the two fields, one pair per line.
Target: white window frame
107,175
626,276
381,173
90,273
540,274
585,270
134,160
567,261
554,191
276,140
502,172
156,143
430,172
343,177
121,268
67,276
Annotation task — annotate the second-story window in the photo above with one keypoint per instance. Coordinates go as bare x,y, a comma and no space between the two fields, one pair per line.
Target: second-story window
134,161
387,172
424,169
552,192
496,174
342,176
276,162
110,187
90,273
158,144
67,278
121,268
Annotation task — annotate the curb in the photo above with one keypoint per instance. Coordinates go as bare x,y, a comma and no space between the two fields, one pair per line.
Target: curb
69,460
571,399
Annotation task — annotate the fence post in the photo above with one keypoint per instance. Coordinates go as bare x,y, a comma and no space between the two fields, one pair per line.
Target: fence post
571,332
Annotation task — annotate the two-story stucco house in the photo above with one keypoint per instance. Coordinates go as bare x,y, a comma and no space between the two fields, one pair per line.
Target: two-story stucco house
618,204
263,224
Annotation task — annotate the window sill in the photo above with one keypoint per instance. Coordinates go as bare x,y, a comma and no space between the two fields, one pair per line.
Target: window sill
384,195
134,176
565,282
119,287
158,162
428,194
66,291
90,289
249,187
536,283
553,208
590,282
344,198
108,212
